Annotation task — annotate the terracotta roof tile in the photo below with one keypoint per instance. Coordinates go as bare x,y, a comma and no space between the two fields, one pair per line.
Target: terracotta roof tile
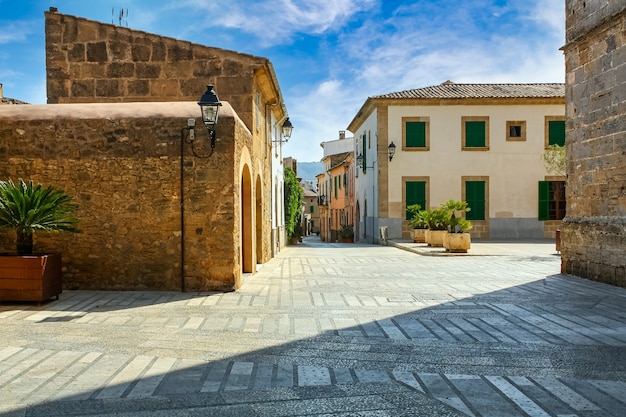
451,90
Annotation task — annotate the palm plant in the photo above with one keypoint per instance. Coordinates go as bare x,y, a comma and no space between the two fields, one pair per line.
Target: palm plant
27,207
456,210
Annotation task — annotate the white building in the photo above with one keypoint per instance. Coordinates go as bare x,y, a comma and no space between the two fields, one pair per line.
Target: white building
481,143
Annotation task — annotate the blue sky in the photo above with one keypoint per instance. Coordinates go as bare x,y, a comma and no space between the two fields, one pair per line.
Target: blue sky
329,55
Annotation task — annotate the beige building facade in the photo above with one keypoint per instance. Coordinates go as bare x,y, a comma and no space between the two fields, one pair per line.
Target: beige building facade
481,143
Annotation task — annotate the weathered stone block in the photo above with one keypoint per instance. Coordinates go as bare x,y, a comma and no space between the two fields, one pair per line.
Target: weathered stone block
77,53
97,52
141,53
137,88
108,88
120,70
143,70
83,88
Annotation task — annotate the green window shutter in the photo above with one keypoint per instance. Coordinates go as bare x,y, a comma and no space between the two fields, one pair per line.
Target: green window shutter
475,134
544,200
556,132
336,189
475,197
364,153
311,209
415,134
415,192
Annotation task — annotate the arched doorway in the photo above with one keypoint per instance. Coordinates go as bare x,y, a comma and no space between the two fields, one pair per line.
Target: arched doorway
259,220
248,262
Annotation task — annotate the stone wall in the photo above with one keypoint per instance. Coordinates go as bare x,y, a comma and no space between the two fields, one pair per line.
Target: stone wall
93,62
594,231
121,162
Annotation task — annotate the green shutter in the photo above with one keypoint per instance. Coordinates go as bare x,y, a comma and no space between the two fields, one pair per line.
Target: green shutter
336,188
415,194
475,197
544,200
475,134
556,132
364,153
415,134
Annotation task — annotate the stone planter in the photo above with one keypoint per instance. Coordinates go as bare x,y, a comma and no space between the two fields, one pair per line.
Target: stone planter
30,277
457,242
434,238
418,235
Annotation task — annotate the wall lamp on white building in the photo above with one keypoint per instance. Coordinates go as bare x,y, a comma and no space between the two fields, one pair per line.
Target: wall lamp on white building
287,129
209,107
391,150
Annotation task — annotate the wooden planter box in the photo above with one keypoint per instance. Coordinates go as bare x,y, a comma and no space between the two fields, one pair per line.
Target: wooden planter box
434,238
418,235
457,242
30,277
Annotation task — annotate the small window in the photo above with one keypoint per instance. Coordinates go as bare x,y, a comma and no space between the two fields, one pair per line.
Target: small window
515,131
551,200
311,209
415,133
475,133
555,131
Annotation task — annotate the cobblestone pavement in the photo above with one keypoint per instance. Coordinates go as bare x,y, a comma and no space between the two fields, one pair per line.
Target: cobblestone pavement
330,329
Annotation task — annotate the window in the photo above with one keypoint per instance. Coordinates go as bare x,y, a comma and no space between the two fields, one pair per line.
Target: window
415,193
415,131
311,209
515,131
551,200
336,188
475,133
475,196
555,131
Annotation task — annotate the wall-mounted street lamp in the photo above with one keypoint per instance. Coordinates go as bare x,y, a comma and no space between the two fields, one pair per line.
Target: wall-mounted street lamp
287,129
391,150
359,160
209,107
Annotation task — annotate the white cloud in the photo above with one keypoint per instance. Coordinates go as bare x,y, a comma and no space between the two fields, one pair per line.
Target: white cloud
17,31
276,21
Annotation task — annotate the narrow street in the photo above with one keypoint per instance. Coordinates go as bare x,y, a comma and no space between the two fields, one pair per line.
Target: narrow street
331,329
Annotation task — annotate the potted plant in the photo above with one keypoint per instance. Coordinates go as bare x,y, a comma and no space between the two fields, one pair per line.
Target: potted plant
437,221
26,208
417,222
347,233
296,236
457,239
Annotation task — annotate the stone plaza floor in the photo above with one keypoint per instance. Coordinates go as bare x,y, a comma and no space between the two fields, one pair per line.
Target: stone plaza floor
331,330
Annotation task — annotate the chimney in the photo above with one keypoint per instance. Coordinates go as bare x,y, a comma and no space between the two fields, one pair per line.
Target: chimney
342,134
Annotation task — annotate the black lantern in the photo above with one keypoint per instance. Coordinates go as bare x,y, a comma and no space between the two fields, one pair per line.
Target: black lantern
287,129
359,161
209,106
391,150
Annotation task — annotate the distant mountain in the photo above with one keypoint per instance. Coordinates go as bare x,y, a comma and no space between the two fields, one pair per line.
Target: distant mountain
308,171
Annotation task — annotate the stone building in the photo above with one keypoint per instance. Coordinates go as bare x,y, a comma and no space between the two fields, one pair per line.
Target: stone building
159,209
593,233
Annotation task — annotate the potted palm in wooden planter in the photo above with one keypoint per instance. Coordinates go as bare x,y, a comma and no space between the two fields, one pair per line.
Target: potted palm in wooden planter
457,240
418,224
26,208
437,221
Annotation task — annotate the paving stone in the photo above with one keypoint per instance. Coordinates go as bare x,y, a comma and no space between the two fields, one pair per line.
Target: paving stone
331,329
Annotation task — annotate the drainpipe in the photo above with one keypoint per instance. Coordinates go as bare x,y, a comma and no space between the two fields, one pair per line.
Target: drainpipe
189,133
